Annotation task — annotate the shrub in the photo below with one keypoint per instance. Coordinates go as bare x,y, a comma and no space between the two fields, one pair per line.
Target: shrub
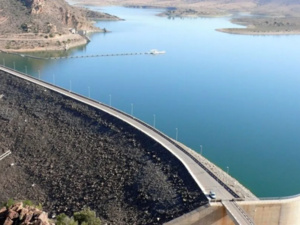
9,203
39,206
27,202
86,217
63,219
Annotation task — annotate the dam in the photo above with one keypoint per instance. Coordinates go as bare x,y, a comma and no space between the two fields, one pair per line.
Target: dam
232,206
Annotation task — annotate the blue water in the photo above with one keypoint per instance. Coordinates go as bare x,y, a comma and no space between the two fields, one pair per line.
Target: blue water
236,95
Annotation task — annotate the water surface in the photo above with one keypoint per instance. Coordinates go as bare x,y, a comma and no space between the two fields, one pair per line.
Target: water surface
236,95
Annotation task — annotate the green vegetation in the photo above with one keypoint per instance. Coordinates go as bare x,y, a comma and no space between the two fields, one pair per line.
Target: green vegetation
63,219
27,202
9,203
87,217
84,217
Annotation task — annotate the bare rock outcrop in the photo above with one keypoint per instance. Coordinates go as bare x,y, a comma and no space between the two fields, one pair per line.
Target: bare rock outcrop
18,214
34,16
36,6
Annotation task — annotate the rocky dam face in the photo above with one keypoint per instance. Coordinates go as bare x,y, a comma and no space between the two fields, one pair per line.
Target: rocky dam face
67,155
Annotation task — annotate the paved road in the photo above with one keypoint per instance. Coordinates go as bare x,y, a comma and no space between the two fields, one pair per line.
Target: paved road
203,177
237,214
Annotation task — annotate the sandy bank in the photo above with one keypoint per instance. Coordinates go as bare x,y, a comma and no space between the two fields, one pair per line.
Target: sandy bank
245,31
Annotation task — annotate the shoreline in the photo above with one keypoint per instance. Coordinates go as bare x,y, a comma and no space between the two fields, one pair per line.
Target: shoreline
54,35
254,25
245,31
29,43
252,20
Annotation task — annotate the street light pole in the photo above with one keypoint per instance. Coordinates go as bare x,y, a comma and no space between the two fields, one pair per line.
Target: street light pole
132,109
227,169
201,149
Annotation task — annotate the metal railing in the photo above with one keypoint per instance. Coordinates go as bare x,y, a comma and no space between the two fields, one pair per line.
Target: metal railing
142,123
243,213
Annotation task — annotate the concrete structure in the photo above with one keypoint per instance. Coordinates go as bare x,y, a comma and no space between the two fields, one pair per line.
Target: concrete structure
228,209
281,211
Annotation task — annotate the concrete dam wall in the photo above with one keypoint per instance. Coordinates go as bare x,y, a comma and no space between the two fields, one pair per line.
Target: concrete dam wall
283,211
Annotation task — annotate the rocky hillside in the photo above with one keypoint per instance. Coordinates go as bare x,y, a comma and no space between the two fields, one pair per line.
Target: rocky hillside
43,16
67,155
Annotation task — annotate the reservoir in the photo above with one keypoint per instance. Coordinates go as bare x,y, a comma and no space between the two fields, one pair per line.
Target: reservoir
236,96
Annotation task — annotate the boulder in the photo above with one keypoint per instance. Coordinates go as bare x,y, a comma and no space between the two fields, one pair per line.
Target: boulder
12,214
8,221
43,218
28,217
23,212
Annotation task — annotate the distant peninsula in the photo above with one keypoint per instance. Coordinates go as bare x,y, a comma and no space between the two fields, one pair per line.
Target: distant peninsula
259,17
40,25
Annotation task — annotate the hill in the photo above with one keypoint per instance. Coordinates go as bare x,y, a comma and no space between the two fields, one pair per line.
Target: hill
26,24
263,17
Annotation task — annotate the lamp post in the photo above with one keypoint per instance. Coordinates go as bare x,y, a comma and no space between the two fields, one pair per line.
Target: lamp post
227,169
132,109
201,149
